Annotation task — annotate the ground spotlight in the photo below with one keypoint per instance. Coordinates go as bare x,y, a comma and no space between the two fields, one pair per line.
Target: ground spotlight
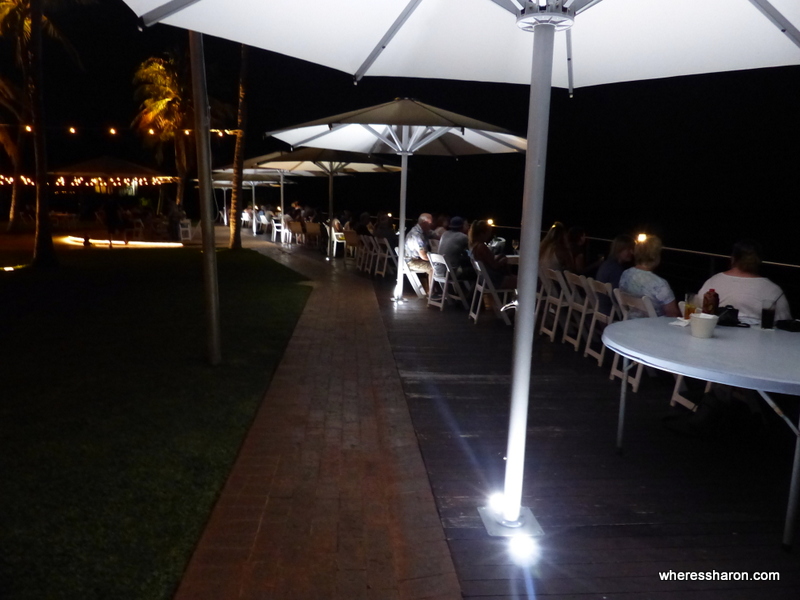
524,550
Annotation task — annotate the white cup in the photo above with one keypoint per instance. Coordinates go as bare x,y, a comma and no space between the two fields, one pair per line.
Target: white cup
702,325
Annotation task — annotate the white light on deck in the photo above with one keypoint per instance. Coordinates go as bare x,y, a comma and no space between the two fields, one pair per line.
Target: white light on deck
524,550
497,503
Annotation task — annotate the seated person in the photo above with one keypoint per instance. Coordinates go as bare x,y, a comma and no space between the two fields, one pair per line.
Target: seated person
619,258
454,246
743,288
496,267
417,245
640,280
554,250
383,228
363,225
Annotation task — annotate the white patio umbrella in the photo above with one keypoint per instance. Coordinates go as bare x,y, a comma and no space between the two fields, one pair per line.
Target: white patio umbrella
323,161
611,41
252,177
403,127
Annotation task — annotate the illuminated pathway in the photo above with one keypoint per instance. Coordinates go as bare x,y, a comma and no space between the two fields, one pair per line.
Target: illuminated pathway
329,497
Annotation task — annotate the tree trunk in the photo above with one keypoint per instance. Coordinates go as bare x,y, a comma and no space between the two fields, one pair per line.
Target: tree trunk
16,161
235,221
44,254
181,168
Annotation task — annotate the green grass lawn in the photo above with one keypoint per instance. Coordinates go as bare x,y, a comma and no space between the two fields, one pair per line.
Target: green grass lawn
115,434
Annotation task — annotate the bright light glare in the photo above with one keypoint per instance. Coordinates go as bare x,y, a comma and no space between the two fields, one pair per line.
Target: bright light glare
641,237
8,268
490,221
524,550
497,502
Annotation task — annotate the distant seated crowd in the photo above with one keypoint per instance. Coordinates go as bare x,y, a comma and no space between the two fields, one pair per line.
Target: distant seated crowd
629,266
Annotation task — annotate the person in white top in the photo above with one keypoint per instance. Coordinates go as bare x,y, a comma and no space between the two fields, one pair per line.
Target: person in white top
743,288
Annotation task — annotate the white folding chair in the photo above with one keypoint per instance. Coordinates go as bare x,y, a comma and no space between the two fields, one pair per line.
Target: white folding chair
263,223
368,253
445,279
483,284
555,298
334,238
580,307
643,306
599,290
385,252
186,229
277,230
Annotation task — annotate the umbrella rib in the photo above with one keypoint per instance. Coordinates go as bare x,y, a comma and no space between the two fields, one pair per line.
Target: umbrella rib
437,133
319,135
501,141
778,20
158,14
387,37
393,143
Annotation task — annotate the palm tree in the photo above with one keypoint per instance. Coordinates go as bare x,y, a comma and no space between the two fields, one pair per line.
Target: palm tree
235,222
166,114
25,23
11,140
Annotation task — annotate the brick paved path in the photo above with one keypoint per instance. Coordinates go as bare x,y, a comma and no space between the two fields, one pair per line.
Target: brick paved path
329,497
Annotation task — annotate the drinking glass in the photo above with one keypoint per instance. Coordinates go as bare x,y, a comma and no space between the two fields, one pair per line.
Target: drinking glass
690,305
768,314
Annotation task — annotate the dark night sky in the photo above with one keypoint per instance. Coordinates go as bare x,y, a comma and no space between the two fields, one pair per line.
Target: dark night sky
702,160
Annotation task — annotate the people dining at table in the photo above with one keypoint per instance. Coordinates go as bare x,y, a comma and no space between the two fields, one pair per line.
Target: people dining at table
480,234
744,288
640,280
417,246
554,250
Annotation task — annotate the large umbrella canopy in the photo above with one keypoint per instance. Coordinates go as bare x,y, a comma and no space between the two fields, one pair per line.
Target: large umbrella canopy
324,161
611,41
403,127
252,177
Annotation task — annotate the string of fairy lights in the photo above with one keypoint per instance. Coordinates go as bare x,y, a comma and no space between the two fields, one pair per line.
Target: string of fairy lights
94,182
113,131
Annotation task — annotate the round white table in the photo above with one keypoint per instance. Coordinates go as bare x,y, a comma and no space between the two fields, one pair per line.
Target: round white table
765,361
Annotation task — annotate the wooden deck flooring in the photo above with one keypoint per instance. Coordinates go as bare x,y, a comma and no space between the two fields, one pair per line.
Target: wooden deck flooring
612,523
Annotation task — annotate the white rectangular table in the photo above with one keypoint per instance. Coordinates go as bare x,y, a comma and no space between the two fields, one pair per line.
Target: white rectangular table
765,361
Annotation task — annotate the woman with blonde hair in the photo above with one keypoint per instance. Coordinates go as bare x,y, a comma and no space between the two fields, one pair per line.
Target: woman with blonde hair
640,280
554,251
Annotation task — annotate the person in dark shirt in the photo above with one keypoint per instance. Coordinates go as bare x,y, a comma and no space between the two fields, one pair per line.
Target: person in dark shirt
620,257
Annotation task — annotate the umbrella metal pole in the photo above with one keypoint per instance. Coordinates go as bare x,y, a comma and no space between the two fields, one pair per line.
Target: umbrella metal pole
330,211
202,126
401,227
514,516
281,219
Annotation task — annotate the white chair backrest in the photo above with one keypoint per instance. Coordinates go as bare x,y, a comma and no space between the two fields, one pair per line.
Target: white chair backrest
641,305
263,219
558,285
604,290
438,259
578,287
